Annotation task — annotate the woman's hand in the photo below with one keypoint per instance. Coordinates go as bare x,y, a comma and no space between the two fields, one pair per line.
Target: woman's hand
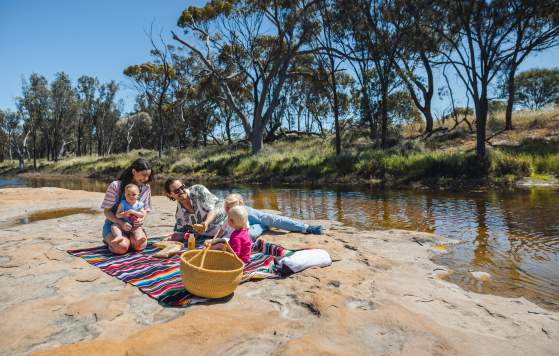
138,222
200,228
125,227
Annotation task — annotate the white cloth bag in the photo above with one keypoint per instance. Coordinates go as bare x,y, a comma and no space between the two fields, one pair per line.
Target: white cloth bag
301,260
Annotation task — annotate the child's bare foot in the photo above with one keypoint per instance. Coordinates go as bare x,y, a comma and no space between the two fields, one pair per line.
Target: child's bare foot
138,240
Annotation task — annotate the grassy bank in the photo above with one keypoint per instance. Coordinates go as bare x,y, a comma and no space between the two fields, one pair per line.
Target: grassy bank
531,150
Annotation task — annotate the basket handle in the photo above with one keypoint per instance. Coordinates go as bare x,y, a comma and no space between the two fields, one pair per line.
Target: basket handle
227,248
204,252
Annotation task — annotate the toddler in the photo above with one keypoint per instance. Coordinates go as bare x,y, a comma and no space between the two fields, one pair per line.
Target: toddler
235,231
129,209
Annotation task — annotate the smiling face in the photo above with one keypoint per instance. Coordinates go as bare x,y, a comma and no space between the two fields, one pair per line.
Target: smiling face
177,191
131,194
140,177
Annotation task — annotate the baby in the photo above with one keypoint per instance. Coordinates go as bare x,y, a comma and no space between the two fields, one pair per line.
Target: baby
130,209
235,231
231,201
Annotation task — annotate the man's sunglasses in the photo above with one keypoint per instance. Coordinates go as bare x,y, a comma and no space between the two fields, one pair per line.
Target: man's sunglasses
180,189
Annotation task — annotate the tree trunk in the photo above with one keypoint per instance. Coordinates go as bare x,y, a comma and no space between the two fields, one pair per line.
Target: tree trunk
429,95
481,121
228,128
428,118
79,144
256,137
511,91
160,145
336,110
34,149
384,117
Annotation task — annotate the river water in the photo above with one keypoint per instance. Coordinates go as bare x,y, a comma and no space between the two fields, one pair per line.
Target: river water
511,234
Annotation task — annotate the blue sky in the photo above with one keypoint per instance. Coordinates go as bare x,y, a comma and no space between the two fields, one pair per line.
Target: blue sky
98,38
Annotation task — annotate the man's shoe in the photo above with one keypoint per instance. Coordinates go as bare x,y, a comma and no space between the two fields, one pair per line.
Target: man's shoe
315,230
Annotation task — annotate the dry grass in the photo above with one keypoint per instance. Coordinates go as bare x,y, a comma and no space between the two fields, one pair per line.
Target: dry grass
532,149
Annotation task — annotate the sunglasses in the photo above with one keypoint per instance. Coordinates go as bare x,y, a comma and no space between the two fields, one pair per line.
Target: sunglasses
180,189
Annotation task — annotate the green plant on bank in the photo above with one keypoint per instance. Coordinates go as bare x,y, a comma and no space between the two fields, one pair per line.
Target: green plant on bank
532,151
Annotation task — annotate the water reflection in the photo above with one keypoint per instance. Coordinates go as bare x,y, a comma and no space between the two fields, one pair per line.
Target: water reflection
513,235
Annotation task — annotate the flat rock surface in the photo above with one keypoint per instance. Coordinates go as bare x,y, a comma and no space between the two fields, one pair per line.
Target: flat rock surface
381,296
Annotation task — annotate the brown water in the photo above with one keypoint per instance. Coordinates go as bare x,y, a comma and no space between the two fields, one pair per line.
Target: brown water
54,214
511,234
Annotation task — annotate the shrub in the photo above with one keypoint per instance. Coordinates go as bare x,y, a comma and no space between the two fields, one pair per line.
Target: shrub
407,147
503,165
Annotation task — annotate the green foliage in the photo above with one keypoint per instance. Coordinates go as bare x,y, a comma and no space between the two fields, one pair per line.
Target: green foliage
497,105
313,159
537,87
213,9
547,164
402,109
505,165
149,71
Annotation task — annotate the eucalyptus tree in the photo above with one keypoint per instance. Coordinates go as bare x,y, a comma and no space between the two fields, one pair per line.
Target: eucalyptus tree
372,33
202,110
35,102
535,27
537,87
253,40
331,34
87,89
153,80
308,96
402,108
64,108
13,128
477,33
3,135
107,113
420,46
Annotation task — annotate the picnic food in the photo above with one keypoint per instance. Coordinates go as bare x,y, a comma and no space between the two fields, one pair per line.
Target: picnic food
168,248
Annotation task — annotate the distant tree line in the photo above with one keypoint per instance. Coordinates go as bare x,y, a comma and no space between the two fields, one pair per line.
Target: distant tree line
260,70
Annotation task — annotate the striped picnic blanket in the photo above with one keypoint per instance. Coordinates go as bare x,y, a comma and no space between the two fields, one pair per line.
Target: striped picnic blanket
160,278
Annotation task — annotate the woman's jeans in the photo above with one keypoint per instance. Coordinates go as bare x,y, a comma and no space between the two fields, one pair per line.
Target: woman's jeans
259,222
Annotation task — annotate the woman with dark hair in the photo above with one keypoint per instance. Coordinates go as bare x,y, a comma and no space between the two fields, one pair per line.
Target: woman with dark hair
138,173
205,213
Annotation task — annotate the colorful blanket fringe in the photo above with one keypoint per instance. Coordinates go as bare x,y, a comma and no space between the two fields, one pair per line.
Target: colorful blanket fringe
160,278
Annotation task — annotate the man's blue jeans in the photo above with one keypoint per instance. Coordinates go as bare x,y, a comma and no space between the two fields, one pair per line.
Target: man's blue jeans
259,222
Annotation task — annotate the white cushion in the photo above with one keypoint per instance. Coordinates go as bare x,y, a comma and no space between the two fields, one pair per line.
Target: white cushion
301,260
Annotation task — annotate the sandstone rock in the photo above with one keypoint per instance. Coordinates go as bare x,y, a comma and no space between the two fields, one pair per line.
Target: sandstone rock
379,297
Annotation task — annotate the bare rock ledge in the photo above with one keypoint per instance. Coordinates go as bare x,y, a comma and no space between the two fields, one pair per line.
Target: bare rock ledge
382,296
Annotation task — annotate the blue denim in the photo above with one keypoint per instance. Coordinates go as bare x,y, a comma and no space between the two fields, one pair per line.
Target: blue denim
106,228
259,222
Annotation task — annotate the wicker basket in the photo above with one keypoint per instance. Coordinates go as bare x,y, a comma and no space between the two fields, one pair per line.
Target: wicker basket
210,273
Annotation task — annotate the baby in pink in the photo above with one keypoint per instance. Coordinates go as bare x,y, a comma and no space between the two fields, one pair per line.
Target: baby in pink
239,239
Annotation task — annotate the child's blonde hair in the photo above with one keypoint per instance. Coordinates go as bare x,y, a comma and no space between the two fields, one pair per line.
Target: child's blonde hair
234,198
132,186
238,216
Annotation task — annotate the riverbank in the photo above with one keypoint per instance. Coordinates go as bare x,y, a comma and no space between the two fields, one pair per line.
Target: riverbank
446,159
383,295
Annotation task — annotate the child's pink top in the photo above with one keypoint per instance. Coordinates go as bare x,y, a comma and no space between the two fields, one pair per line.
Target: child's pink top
241,244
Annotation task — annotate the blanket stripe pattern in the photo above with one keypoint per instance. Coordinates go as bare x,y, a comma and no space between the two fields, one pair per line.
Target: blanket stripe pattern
160,278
